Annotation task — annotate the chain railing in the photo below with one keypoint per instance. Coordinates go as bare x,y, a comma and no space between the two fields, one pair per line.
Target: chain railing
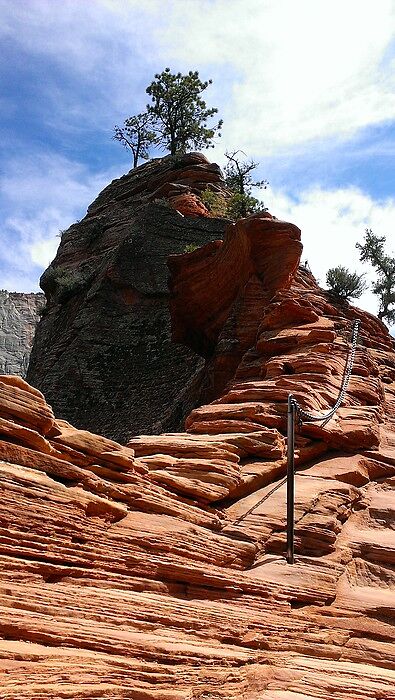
303,416
306,416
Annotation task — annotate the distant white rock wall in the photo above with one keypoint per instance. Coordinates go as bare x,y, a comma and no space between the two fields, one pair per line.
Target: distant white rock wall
19,315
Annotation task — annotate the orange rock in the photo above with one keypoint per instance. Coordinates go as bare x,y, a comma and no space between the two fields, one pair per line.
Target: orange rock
20,402
96,446
188,205
157,570
26,436
204,290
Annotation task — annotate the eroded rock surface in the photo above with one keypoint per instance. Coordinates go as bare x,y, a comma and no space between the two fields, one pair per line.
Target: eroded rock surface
19,315
156,569
103,353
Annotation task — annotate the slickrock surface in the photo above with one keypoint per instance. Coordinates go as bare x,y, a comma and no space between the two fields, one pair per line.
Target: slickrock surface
19,315
103,353
143,571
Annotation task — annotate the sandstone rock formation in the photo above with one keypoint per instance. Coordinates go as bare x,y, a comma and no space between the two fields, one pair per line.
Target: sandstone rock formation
103,353
145,571
19,315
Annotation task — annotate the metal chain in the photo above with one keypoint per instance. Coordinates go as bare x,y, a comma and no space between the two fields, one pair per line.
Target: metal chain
311,417
306,416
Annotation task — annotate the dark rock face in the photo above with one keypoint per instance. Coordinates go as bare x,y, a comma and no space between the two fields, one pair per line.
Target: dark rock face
19,315
103,353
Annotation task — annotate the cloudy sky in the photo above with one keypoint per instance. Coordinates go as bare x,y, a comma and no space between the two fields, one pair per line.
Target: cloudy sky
305,88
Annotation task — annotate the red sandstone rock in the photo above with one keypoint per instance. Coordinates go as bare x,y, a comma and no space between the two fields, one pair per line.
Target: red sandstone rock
205,289
188,205
157,570
21,402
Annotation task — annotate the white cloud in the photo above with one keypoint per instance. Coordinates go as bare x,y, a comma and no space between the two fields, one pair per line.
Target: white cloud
92,52
40,195
332,222
302,70
287,76
285,72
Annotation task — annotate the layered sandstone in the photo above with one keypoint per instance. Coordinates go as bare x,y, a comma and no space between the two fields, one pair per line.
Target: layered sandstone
103,353
157,569
19,315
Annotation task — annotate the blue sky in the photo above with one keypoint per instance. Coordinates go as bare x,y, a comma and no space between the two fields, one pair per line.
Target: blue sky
306,88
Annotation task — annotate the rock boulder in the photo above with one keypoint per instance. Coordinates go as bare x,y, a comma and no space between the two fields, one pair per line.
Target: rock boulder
103,353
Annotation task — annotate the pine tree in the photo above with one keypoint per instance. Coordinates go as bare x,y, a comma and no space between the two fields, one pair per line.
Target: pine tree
136,134
372,251
179,113
344,284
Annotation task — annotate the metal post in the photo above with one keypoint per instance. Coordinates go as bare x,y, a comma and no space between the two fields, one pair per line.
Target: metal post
290,478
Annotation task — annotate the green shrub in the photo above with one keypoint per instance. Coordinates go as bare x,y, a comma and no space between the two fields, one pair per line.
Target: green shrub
239,180
241,205
237,206
215,203
191,247
62,283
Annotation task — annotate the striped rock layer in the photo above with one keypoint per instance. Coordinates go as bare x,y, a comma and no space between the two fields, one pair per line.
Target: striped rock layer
156,570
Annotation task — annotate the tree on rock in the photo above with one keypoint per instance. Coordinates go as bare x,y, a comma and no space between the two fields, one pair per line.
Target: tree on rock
239,180
179,113
344,284
136,134
372,251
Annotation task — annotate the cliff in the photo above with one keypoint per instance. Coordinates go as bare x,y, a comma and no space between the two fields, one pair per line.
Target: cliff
157,570
103,353
19,315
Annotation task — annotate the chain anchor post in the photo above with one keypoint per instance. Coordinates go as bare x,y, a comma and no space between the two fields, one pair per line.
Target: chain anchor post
290,478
